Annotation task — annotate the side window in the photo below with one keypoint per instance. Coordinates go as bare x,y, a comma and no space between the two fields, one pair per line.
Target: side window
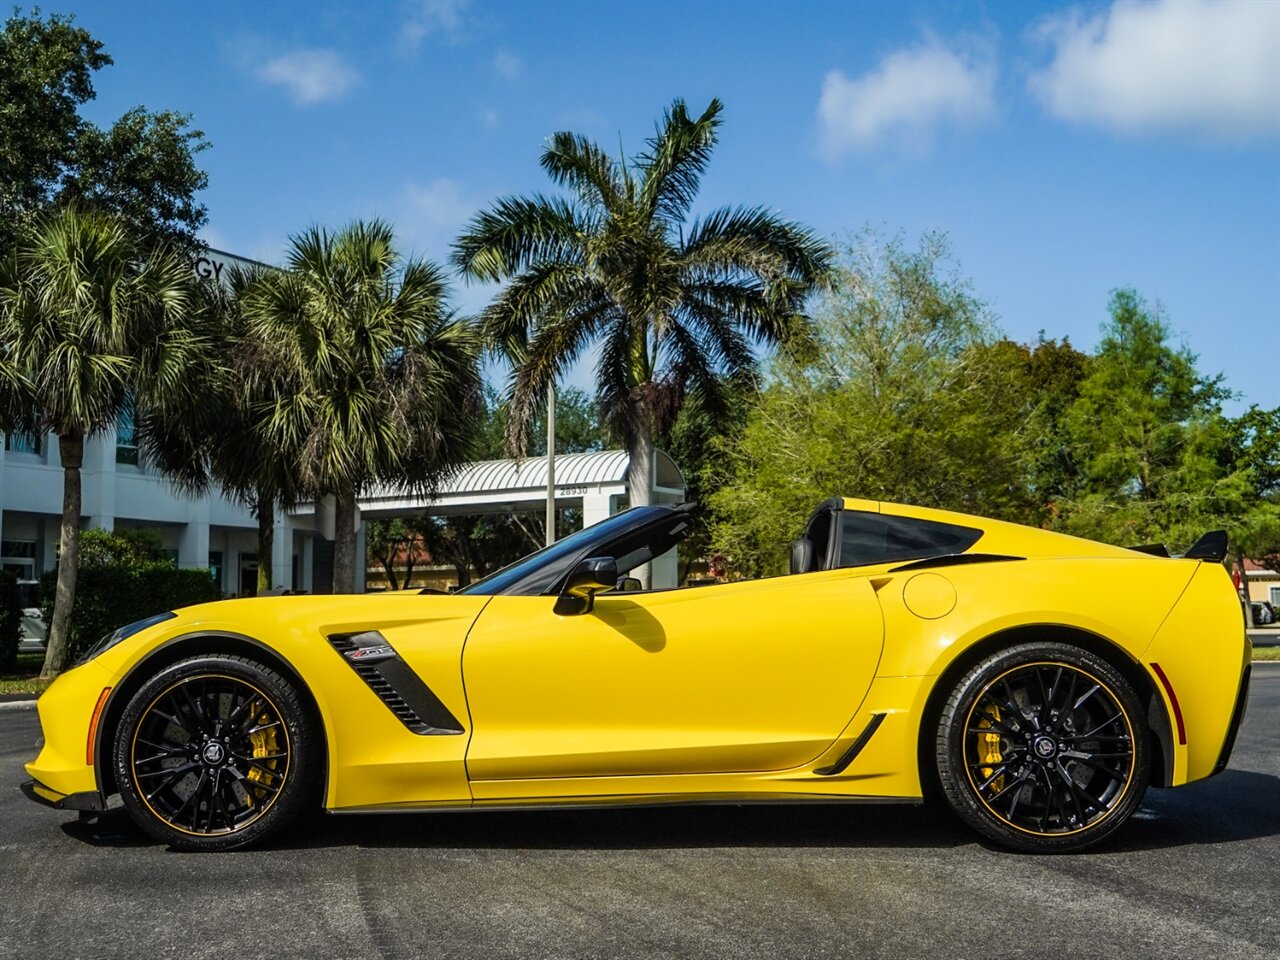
867,538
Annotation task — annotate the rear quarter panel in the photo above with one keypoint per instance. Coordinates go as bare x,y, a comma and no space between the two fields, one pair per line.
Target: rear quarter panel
1202,649
1121,600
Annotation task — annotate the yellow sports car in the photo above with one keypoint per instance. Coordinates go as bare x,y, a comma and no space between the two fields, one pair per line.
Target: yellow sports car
1039,682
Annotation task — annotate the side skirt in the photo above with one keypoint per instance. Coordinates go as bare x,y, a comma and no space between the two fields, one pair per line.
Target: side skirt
602,803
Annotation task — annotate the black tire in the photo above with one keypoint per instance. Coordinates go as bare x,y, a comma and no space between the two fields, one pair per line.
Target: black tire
216,753
1022,769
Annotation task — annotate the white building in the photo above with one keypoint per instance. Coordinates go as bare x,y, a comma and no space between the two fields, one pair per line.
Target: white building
210,532
219,534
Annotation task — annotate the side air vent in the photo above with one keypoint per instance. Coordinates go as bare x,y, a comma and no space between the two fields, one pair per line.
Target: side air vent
395,684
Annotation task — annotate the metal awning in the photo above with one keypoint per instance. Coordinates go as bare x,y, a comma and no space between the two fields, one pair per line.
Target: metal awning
502,485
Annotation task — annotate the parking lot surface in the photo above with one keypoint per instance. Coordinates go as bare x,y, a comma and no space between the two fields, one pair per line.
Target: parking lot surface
1195,874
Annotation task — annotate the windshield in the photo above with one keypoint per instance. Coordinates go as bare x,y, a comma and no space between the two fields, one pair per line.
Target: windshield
497,582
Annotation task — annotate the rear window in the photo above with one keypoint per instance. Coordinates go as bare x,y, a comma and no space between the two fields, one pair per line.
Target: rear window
867,538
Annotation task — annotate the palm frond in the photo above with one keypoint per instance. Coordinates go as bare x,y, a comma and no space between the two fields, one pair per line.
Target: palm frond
751,239
676,158
518,232
571,160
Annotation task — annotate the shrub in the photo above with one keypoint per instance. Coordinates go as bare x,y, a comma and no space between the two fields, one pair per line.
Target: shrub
130,548
123,582
10,619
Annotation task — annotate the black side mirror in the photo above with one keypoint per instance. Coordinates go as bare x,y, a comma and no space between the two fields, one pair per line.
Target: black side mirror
588,578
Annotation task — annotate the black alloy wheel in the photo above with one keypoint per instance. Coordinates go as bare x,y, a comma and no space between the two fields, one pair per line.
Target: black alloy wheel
214,753
1044,748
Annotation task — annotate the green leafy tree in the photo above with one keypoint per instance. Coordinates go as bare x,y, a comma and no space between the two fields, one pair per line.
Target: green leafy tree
1042,380
578,428
485,542
1149,439
388,386
1254,448
671,305
898,401
89,324
695,440
142,168
394,543
480,542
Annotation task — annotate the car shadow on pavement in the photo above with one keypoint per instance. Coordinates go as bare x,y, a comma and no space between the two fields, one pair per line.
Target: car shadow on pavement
1236,805
631,828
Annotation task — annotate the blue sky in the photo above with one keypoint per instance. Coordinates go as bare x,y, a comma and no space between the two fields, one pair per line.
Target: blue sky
1066,149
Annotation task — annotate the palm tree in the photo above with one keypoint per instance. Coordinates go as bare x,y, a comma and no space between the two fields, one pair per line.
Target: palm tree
387,382
673,306
228,438
89,323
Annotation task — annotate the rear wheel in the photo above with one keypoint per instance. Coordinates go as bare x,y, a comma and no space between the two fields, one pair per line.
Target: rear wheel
215,753
1044,748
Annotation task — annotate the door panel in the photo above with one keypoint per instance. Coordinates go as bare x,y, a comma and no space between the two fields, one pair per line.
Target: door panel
750,676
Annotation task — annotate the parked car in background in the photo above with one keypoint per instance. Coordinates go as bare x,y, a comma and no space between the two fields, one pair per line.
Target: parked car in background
1264,614
32,630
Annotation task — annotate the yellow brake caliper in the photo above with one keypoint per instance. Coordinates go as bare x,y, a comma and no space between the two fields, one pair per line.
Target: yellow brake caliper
264,745
989,746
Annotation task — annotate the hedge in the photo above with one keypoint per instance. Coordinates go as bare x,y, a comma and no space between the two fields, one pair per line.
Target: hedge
110,596
10,619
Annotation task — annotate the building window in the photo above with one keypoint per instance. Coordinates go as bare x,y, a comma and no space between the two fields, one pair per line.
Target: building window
19,558
1275,597
215,567
22,443
127,434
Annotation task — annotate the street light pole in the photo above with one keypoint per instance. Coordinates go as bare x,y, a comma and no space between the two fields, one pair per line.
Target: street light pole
551,463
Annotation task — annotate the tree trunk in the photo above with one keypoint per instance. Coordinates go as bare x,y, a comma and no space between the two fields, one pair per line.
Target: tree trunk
71,448
411,546
389,567
1244,588
344,542
264,511
640,482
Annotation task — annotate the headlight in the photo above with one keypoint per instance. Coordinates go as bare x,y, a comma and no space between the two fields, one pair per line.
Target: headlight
111,639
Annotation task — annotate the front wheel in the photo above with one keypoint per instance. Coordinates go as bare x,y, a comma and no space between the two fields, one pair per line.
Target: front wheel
215,753
1043,748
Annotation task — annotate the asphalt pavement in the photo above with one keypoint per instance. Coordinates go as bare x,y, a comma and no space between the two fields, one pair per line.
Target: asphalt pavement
1195,874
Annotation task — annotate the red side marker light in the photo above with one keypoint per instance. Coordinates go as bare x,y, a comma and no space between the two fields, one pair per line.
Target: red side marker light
1173,699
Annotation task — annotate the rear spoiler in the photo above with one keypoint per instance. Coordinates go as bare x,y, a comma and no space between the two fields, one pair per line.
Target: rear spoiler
1212,546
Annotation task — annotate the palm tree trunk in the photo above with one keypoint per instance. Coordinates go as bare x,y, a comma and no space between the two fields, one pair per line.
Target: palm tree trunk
264,511
640,481
344,542
71,448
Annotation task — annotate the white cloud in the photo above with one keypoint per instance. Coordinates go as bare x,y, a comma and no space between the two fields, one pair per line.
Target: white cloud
310,76
1207,67
906,97
432,213
426,17
507,64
